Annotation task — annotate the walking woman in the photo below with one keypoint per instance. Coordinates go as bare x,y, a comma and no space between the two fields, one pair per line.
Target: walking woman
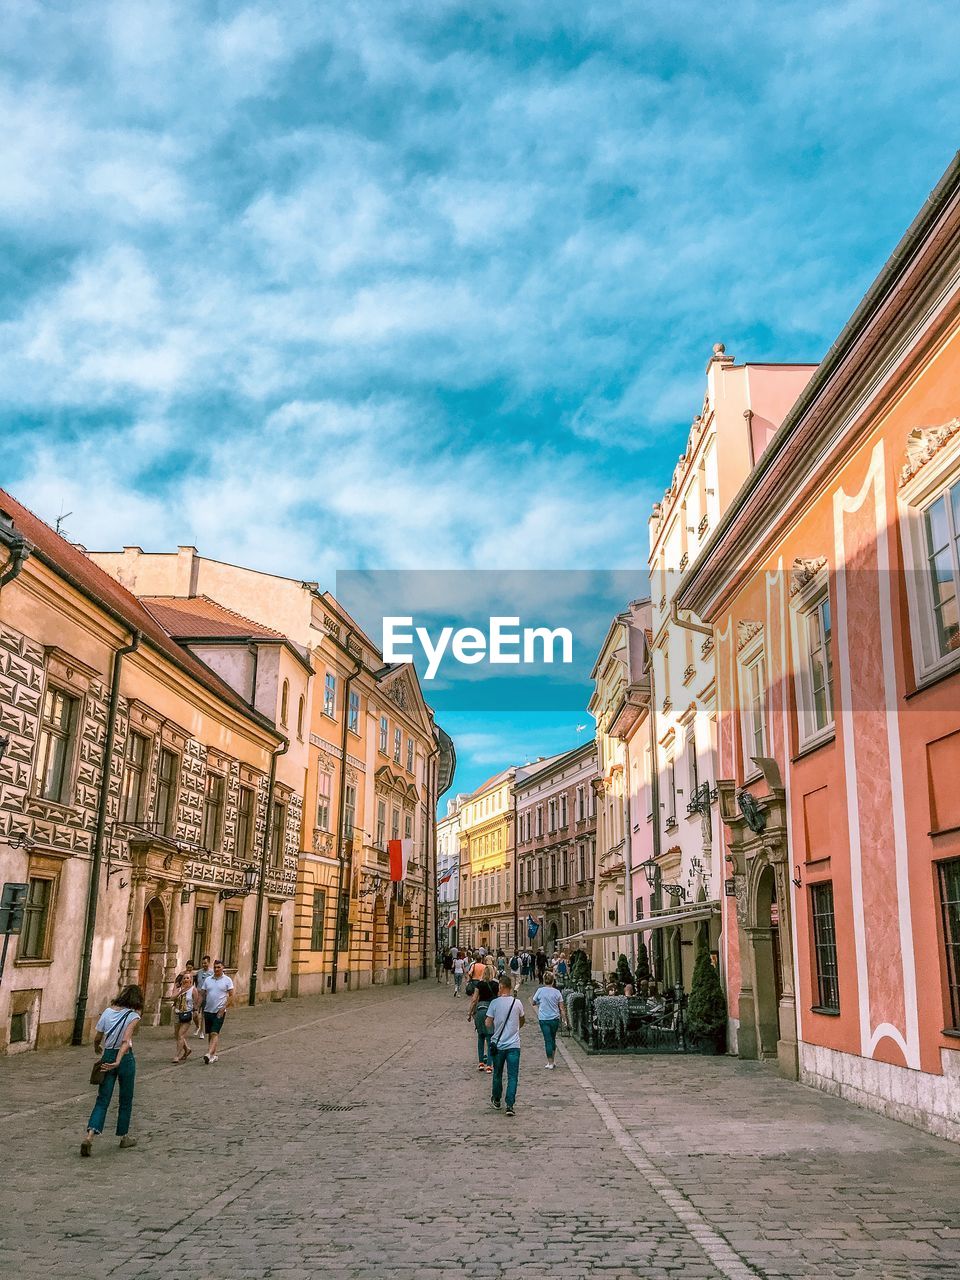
550,1011
183,993
114,1043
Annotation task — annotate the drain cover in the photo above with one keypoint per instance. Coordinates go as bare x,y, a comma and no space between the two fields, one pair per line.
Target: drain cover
334,1106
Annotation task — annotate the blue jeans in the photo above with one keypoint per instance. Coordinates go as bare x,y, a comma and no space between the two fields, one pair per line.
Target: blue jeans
126,1073
484,1052
550,1027
512,1059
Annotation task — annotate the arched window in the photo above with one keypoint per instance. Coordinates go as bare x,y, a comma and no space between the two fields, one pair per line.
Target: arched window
300,719
284,701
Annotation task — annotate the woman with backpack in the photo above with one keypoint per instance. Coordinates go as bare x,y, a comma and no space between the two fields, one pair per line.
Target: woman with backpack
114,1043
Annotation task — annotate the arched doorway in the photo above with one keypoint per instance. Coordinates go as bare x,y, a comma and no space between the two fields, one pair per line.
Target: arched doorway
553,933
153,941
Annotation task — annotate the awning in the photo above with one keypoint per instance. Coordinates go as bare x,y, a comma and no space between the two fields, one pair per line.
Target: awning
702,911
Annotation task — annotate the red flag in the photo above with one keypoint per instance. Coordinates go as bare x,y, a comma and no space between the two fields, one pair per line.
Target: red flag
399,851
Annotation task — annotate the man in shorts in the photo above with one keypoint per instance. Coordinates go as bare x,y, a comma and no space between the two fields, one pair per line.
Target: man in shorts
218,997
199,978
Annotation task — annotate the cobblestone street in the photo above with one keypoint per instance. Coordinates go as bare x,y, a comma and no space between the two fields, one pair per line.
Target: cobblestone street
241,1171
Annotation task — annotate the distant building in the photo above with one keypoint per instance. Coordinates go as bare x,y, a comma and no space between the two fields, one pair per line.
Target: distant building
556,848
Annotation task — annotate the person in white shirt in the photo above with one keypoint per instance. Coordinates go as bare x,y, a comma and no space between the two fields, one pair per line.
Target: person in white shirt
505,1017
217,999
459,964
551,1011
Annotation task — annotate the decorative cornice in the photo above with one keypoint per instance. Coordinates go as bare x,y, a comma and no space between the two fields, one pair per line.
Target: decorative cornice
923,443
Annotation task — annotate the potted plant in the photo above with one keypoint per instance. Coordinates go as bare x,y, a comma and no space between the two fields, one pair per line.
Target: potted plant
707,1006
623,974
643,963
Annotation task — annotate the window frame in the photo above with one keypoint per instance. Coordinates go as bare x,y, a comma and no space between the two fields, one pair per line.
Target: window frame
230,956
242,848
384,735
278,833
330,695
43,954
219,808
271,946
70,737
752,657
135,782
324,793
353,713
397,744
931,480
824,941
811,599
950,942
166,822
318,911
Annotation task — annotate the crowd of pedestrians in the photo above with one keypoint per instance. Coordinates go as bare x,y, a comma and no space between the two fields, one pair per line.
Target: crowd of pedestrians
493,983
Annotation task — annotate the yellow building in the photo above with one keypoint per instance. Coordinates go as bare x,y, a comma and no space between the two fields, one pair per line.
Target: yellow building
369,758
138,801
486,865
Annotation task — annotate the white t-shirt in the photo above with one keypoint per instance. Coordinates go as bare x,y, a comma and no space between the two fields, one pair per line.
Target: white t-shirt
113,1025
216,991
458,965
506,1021
548,1001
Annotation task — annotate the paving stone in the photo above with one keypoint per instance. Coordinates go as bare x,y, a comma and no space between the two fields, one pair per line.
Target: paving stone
240,1174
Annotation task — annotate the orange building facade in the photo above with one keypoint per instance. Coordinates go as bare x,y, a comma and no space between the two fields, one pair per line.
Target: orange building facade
833,586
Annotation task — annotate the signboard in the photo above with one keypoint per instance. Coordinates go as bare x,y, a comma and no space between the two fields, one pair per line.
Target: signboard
12,902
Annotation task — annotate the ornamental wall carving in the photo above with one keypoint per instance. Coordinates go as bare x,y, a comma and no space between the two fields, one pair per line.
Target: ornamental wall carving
923,443
804,571
746,631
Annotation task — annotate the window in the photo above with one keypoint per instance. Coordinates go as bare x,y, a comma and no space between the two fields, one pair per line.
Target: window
213,812
581,805
353,723
581,863
300,718
284,701
948,875
539,819
693,770
408,826
34,934
409,755
231,939
563,811
323,801
349,810
754,712
397,744
671,790
317,919
277,834
244,822
272,954
383,734
816,684
168,771
134,769
201,928
551,815
381,840
941,528
395,824
825,947
58,728
330,695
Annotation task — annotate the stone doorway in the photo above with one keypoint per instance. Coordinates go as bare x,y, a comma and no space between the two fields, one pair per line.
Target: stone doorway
153,955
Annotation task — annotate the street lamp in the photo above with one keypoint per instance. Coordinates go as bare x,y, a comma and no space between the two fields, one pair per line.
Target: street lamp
249,878
651,870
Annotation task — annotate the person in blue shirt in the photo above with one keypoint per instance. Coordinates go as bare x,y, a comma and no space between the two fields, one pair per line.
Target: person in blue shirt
551,1011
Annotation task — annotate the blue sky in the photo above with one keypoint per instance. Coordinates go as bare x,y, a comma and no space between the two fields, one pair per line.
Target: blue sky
406,285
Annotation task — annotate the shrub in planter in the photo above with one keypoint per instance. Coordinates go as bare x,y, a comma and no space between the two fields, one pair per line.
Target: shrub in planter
643,962
623,974
580,970
707,1006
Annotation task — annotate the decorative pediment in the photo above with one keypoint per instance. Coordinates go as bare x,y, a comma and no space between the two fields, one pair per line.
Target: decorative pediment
804,571
923,443
747,630
386,782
